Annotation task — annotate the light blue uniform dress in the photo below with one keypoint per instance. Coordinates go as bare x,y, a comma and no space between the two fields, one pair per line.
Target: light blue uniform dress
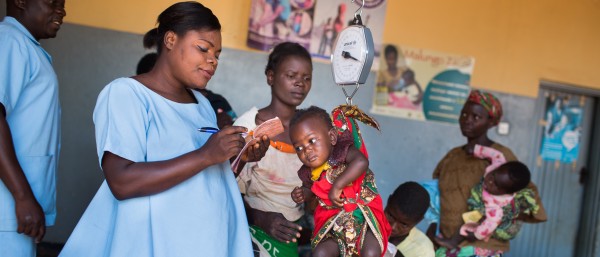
202,216
29,94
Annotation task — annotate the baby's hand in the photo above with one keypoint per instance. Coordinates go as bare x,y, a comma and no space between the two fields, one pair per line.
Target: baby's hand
335,196
298,195
471,236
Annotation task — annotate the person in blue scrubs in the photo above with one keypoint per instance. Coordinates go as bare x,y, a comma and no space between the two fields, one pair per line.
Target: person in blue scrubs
169,188
29,124
225,114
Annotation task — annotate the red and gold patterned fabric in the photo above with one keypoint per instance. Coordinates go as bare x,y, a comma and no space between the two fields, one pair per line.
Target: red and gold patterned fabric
363,208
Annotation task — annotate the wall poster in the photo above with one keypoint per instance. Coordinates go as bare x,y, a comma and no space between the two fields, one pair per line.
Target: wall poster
311,23
562,130
275,21
422,84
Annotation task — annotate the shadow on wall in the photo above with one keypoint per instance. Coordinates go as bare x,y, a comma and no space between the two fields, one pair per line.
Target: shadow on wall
86,59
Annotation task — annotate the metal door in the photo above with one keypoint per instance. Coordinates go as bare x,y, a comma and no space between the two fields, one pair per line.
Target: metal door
588,240
561,143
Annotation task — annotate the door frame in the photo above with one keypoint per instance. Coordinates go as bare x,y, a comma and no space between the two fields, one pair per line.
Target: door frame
570,88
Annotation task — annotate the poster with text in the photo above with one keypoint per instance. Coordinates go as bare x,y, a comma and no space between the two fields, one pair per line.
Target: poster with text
275,21
332,16
422,84
562,130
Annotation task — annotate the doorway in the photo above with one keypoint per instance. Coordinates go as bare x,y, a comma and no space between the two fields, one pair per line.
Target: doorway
563,168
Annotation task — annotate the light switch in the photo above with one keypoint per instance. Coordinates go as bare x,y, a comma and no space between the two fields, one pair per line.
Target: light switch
503,128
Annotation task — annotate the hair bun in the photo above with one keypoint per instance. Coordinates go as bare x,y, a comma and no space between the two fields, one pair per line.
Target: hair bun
151,38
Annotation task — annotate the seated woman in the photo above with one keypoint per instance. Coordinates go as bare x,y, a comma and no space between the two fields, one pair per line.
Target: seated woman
266,184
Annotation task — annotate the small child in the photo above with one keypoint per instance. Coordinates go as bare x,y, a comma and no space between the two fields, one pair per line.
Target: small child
498,199
349,219
405,208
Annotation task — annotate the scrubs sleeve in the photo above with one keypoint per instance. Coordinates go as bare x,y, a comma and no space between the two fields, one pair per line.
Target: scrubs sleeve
14,70
121,121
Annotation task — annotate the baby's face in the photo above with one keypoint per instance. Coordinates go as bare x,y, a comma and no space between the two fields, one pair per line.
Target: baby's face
497,182
312,141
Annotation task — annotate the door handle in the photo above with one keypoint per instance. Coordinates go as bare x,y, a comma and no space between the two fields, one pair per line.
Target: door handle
583,175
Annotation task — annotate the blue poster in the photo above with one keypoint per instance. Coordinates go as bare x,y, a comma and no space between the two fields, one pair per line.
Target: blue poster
562,131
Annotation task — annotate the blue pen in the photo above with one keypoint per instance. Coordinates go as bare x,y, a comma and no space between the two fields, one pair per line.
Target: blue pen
208,130
215,130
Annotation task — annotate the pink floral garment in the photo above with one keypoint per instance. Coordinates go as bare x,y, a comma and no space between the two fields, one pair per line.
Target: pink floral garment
493,203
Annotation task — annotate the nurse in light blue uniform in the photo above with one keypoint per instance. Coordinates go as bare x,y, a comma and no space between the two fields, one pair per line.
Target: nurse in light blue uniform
29,125
169,189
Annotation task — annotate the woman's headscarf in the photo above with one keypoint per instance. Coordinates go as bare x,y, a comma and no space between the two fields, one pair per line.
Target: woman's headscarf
489,102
